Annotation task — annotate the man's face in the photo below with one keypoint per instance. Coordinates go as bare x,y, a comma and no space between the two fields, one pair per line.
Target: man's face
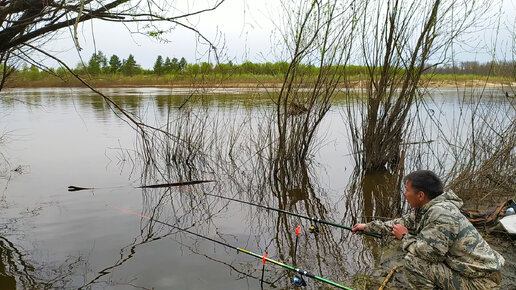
415,199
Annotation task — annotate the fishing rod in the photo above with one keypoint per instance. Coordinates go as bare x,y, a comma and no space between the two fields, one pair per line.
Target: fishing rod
264,258
78,188
314,219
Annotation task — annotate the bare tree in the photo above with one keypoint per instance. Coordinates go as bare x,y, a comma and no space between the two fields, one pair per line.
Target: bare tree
400,41
483,146
26,25
28,21
319,33
34,22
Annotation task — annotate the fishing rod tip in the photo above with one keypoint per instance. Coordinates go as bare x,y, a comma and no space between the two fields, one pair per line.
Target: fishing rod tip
76,188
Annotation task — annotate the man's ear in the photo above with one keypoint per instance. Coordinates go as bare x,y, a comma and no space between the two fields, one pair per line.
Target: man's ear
421,195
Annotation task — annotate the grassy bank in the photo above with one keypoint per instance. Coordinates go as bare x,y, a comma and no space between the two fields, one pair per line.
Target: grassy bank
43,79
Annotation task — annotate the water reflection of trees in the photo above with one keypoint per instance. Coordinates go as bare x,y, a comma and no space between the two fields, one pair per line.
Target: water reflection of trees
238,151
166,206
472,144
469,141
374,195
18,272
240,147
13,268
487,168
249,166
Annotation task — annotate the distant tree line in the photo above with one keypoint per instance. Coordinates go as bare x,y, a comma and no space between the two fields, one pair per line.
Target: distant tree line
99,64
494,68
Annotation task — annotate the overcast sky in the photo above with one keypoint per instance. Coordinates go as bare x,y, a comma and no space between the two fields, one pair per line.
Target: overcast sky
245,27
240,29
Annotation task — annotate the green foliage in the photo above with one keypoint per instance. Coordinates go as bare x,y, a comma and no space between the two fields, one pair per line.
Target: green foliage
223,68
193,69
167,66
172,66
159,68
114,64
80,68
492,68
182,64
61,71
155,33
268,68
8,68
93,66
34,73
176,69
130,67
206,68
175,66
97,63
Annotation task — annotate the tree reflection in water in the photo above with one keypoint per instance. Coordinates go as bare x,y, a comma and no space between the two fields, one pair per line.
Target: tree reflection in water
17,272
239,148
10,265
248,167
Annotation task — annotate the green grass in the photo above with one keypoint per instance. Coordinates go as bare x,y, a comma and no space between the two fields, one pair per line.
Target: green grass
464,77
43,79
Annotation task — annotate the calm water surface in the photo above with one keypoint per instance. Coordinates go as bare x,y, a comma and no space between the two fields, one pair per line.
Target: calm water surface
52,238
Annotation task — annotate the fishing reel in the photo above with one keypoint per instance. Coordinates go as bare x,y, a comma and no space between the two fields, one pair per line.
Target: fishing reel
299,281
314,229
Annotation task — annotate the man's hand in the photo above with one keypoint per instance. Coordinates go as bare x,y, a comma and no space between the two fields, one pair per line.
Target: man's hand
358,228
398,230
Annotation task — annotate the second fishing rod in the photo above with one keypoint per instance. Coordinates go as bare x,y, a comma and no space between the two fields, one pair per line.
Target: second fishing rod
313,219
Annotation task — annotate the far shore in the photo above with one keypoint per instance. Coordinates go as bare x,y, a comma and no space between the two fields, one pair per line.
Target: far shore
258,83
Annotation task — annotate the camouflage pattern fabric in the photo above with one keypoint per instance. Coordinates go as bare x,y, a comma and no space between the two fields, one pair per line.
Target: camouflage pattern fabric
425,275
442,237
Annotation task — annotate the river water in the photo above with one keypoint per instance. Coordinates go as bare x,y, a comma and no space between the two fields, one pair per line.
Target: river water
101,238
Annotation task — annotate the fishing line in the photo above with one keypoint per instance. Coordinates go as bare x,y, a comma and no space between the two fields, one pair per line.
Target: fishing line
313,229
313,219
264,258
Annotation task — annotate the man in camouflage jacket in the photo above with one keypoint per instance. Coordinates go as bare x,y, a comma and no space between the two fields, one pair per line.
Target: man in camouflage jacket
443,248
